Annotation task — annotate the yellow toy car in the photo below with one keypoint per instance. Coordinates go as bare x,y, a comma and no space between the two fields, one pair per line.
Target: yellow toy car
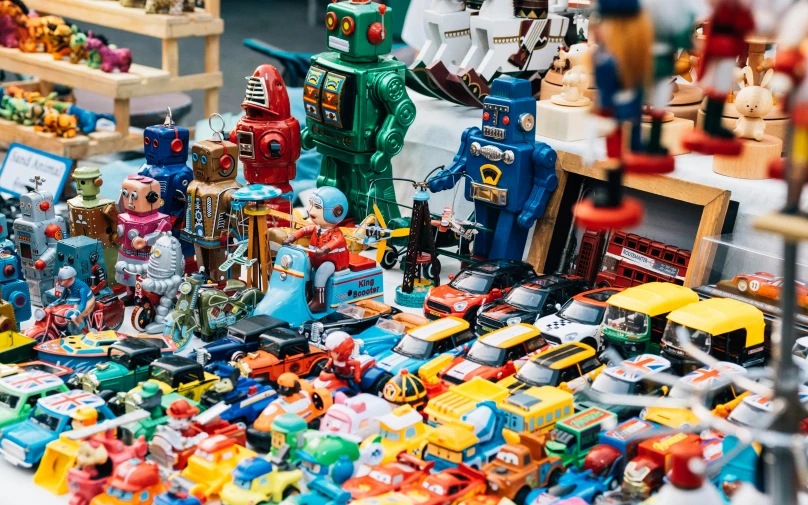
403,429
211,466
558,366
259,481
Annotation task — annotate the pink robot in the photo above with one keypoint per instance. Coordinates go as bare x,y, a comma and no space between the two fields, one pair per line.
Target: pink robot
139,225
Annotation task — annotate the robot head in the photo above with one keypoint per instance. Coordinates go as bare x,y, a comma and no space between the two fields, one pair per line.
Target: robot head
166,144
140,194
37,206
214,161
328,206
266,91
509,111
79,252
359,29
165,258
88,181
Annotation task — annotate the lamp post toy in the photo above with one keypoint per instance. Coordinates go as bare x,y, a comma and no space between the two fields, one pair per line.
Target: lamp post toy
357,108
268,136
36,233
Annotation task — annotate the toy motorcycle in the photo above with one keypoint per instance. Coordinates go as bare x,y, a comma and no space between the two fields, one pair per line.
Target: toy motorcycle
145,306
55,322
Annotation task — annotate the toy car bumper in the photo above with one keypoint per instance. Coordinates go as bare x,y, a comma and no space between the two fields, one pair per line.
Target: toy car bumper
261,440
680,365
14,460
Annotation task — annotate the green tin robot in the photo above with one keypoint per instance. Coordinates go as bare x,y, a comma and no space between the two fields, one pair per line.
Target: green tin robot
357,108
288,430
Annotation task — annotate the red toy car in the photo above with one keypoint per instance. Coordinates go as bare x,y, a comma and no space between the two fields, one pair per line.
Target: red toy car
444,488
474,286
767,285
54,322
406,471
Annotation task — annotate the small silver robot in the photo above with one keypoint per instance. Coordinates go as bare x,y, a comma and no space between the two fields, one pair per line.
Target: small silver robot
35,236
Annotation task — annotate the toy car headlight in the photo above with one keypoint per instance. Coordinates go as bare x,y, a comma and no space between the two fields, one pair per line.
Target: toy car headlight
569,337
202,356
480,310
92,380
316,332
460,306
286,261
513,320
643,413
39,314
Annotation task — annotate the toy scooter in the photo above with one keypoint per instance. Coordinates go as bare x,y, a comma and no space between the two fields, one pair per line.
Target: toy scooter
55,322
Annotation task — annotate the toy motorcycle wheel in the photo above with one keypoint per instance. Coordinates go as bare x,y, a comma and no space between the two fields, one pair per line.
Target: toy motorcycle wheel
431,271
41,336
142,316
389,259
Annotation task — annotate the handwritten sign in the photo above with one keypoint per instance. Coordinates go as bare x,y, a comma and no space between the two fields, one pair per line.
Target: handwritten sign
23,163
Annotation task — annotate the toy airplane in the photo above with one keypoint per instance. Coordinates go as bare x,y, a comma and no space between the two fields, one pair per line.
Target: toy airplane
237,257
373,231
463,228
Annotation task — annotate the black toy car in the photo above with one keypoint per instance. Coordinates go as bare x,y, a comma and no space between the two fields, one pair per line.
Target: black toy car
352,319
242,338
528,301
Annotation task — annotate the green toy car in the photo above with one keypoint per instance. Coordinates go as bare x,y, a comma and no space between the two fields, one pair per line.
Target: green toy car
20,392
127,366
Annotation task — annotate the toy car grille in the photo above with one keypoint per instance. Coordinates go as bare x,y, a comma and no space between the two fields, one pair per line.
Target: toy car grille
13,450
522,401
438,306
256,92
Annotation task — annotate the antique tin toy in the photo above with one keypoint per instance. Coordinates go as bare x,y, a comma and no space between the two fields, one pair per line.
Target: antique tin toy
6,244
88,257
57,321
35,235
8,321
157,283
13,288
279,350
357,108
20,392
509,175
243,338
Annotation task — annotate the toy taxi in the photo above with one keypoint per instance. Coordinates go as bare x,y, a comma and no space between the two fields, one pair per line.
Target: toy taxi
23,444
20,392
635,319
447,487
462,398
718,392
211,466
558,366
727,329
473,440
405,471
127,365
633,376
386,333
175,374
579,318
574,436
257,480
421,344
402,430
356,417
135,482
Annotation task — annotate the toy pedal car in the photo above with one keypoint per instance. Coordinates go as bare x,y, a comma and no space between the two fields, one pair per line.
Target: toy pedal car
54,322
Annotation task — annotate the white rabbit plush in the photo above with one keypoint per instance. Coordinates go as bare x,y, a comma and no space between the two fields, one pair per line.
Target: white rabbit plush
752,103
576,81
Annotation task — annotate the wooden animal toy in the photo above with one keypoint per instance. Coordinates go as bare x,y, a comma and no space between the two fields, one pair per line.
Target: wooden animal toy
111,57
576,81
753,103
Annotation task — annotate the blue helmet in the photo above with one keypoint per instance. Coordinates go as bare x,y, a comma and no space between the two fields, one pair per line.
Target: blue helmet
333,202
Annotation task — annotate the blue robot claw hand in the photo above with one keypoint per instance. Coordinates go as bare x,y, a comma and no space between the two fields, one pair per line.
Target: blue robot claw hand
442,181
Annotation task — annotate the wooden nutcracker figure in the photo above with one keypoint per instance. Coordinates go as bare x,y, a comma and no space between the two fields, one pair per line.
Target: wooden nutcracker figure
209,221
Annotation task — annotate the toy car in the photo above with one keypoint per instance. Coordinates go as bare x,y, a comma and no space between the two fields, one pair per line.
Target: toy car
766,285
242,399
211,466
16,347
529,301
282,350
352,319
755,411
37,365
241,339
54,322
405,471
443,488
473,441
175,374
257,480
575,435
321,492
23,444
135,482
386,333
421,344
474,286
579,318
558,366
20,392
356,417
402,430
127,365
601,472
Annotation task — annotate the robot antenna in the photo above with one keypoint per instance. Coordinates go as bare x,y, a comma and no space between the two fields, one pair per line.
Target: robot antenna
218,134
169,120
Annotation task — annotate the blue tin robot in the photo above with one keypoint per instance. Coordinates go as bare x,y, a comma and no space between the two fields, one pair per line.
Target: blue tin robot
166,149
509,175
86,255
13,286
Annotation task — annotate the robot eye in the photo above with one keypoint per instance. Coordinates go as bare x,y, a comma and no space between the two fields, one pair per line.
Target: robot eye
146,141
204,160
134,195
155,143
28,206
61,256
70,260
348,25
331,21
506,120
82,182
9,270
195,157
486,116
124,192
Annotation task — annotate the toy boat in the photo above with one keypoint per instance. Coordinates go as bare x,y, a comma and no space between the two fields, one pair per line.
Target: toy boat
43,366
82,352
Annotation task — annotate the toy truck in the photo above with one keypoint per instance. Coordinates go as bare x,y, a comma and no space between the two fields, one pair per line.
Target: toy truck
462,398
127,366
574,436
211,466
402,430
242,338
16,347
257,480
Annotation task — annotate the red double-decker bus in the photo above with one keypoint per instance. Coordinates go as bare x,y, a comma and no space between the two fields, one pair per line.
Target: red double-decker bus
631,260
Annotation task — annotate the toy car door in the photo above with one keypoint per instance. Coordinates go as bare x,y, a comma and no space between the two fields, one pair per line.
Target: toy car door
295,356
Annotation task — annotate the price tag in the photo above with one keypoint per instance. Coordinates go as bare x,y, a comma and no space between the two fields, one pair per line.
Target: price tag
23,163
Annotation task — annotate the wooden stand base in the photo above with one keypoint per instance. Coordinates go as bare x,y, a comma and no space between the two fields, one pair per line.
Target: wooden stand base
561,123
551,86
753,163
777,120
672,132
686,101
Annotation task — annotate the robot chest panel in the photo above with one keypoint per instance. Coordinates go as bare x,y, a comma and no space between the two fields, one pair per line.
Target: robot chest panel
501,174
329,97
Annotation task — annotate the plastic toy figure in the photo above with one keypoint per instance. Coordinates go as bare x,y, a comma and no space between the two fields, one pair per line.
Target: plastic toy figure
329,457
166,150
72,290
135,482
726,32
35,235
268,136
208,219
243,398
355,418
260,481
342,354
288,430
357,107
12,287
328,248
139,225
510,176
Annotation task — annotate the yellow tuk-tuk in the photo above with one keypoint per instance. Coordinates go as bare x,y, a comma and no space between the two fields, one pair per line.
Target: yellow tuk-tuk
636,317
727,329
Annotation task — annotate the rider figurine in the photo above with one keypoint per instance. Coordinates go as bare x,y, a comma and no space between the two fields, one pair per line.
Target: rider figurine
328,248
342,362
69,288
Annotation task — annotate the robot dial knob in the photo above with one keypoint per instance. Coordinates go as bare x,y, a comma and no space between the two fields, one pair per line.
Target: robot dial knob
272,146
475,148
526,122
508,157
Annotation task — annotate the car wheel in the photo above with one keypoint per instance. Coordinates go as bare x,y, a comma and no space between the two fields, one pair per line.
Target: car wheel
220,333
614,484
317,367
591,342
432,271
237,356
742,285
289,491
552,479
378,387
389,258
521,496
142,317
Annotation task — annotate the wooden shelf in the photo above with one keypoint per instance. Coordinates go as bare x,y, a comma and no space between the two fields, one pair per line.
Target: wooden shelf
110,13
80,146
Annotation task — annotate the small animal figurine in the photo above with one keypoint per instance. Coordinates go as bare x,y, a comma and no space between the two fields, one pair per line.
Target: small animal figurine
9,32
138,4
753,103
576,81
111,57
57,40
35,39
63,125
172,7
78,51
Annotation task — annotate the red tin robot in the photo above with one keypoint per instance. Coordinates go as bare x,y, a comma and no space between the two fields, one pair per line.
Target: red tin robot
268,137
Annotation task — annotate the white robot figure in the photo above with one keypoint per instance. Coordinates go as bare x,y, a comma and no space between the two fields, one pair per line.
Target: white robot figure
161,275
35,236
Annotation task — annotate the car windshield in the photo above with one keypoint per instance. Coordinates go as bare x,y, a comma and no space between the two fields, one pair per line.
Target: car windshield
160,374
670,337
390,326
269,345
605,383
526,297
472,282
119,493
8,400
747,415
44,419
484,354
117,355
537,375
414,347
628,321
243,483
800,351
582,313
351,311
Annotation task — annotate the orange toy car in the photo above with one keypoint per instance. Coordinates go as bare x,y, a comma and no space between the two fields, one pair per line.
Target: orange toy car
767,285
407,470
283,350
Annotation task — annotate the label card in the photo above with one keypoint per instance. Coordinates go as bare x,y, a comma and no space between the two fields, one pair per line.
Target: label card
23,163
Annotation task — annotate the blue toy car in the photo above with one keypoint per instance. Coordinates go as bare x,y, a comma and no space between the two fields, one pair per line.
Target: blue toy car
246,398
353,319
23,444
176,498
602,471
386,333
321,492
242,338
419,345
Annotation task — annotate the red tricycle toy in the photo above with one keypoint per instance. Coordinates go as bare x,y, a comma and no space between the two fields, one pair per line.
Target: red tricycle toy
55,322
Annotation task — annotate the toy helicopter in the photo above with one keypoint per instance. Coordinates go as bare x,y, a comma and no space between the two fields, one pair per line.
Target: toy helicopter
463,228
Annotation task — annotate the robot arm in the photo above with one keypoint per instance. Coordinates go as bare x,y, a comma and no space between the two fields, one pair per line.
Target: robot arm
391,91
53,234
161,286
448,177
544,183
110,213
163,227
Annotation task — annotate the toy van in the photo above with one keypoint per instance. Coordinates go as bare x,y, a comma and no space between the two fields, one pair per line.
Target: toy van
574,436
421,344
